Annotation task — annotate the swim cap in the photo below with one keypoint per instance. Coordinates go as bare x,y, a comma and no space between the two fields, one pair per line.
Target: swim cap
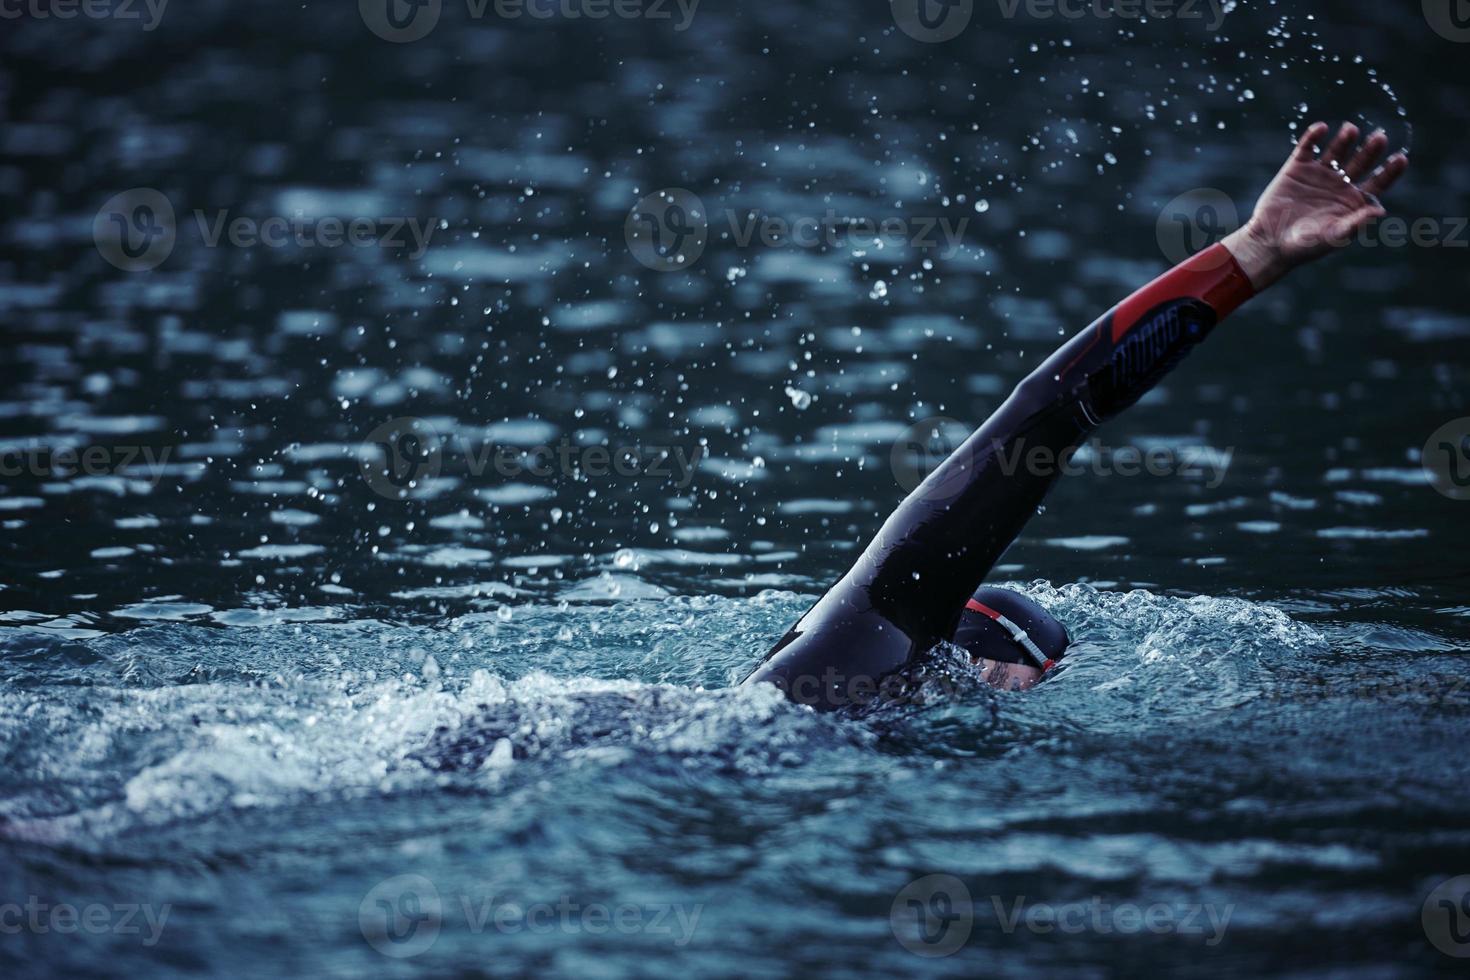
1007,627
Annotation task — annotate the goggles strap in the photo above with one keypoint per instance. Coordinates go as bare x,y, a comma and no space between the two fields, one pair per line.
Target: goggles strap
1022,639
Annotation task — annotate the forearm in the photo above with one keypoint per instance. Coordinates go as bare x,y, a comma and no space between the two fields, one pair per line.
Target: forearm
1120,357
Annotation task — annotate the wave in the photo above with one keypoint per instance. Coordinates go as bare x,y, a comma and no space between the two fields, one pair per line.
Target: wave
179,721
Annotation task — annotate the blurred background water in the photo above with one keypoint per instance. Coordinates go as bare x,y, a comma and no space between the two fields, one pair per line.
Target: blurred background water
252,687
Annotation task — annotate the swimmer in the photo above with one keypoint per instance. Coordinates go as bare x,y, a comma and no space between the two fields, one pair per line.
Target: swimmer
918,582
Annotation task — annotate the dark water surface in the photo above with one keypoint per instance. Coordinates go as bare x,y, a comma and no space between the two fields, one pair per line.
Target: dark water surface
245,686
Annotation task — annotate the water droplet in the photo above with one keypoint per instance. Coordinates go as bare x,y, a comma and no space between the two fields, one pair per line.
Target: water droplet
801,400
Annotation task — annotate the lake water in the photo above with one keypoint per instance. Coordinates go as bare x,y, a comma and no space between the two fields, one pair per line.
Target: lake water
272,703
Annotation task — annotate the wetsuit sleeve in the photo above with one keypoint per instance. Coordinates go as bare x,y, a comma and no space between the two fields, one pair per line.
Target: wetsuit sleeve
909,588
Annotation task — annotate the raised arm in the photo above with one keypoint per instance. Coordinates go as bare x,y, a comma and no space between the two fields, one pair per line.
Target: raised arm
909,587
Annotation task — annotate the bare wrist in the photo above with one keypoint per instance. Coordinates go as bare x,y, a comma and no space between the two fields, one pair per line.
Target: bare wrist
1261,261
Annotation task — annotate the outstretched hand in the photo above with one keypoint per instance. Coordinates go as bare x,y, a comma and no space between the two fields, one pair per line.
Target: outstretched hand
1317,202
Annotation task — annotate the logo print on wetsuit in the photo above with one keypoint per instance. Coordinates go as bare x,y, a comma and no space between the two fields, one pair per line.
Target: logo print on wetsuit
667,230
1194,221
401,458
400,21
401,917
1149,350
1446,917
932,21
1449,18
135,230
932,916
1446,459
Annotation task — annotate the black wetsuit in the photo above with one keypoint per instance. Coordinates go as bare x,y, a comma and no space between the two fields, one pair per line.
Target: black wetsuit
907,591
